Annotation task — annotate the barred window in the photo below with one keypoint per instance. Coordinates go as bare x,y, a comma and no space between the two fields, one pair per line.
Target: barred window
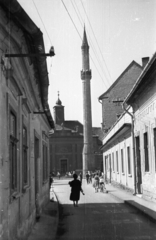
25,157
13,152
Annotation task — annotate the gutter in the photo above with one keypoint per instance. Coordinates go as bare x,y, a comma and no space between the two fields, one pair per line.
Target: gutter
133,146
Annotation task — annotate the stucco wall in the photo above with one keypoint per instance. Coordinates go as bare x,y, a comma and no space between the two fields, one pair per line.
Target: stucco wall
145,121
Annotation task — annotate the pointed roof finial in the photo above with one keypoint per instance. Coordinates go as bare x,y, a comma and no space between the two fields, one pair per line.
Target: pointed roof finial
58,102
85,41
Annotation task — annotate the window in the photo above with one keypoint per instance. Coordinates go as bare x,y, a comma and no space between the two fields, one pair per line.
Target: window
110,163
113,162
13,152
117,162
122,161
45,162
154,131
25,157
129,160
146,152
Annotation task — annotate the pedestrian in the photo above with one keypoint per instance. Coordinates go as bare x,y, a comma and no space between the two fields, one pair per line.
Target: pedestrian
75,190
87,177
80,177
50,180
90,177
58,174
96,182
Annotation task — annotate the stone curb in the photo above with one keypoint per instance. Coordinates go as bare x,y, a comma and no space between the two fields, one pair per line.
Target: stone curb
143,210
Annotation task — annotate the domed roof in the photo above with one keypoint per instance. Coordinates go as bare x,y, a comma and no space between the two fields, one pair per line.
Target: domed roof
58,102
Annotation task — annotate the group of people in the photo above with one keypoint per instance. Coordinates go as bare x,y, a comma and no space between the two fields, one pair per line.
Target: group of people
97,178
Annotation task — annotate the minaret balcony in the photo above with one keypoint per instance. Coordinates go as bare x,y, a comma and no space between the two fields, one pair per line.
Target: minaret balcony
86,74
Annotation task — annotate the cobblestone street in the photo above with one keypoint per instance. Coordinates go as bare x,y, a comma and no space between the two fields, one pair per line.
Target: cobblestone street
99,216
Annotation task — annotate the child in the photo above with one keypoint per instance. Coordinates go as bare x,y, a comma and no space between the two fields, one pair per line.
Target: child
102,184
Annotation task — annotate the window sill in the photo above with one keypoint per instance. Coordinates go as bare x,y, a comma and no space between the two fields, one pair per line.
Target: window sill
147,173
123,173
129,175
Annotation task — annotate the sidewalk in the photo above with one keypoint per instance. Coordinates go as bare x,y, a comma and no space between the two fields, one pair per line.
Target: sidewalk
46,227
145,207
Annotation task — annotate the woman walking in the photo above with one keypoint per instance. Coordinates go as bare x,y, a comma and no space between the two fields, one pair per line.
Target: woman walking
75,190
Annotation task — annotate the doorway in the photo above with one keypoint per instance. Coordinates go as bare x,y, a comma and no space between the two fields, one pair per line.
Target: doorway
63,166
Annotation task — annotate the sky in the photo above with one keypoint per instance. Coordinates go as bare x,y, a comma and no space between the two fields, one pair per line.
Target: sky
118,32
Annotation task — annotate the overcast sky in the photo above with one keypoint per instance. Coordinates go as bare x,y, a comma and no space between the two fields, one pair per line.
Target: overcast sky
118,31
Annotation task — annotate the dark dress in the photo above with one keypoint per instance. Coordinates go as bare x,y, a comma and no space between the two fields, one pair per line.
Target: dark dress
75,190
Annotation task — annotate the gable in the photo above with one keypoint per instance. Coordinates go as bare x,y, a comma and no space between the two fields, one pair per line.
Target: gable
128,77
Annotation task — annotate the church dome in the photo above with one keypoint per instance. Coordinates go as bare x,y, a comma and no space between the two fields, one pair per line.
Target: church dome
58,102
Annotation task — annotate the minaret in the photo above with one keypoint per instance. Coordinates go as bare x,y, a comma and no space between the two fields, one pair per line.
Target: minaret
88,155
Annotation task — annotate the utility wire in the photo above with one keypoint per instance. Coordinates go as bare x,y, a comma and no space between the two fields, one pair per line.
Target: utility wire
45,31
42,21
81,22
95,39
71,19
90,40
81,39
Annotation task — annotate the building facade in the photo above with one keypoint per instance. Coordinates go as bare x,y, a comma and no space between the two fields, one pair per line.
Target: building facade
66,144
24,142
113,98
118,125
118,154
142,98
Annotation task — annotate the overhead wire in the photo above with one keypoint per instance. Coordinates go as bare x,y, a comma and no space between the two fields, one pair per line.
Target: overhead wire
45,31
71,18
90,40
96,40
81,39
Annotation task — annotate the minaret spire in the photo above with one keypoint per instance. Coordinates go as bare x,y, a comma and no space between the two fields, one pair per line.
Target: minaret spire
85,41
88,155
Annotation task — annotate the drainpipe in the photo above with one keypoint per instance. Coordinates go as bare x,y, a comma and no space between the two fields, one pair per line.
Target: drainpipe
133,144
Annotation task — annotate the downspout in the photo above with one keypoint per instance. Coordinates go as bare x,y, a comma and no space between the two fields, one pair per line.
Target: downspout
104,161
133,144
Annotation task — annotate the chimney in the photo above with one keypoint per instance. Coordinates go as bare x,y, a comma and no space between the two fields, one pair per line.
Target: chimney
145,60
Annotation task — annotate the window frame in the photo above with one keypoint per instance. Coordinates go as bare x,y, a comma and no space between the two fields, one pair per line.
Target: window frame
25,179
129,160
13,153
146,153
122,161
117,162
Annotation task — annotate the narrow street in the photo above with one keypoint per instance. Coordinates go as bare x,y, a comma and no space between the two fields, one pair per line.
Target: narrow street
99,216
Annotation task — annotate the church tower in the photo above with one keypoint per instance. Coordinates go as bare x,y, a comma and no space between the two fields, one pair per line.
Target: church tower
88,154
58,110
